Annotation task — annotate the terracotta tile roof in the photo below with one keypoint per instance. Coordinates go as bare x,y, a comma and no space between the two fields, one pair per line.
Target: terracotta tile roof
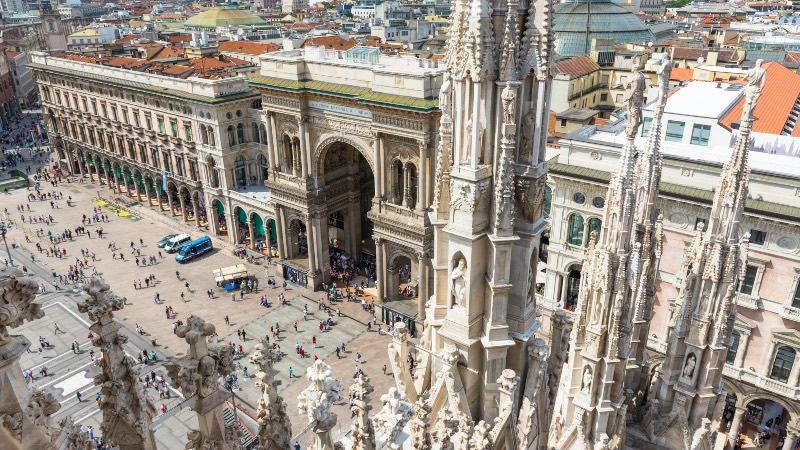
169,52
792,57
680,74
127,39
177,70
147,44
178,39
780,93
126,62
248,47
330,42
11,54
79,58
577,66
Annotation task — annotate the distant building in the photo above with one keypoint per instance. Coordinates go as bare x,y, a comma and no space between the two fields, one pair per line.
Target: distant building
293,6
8,106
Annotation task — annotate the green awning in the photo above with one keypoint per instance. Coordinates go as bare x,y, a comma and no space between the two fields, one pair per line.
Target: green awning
259,224
273,233
220,207
242,215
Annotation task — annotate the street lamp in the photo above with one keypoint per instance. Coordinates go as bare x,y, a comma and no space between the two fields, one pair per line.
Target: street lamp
3,231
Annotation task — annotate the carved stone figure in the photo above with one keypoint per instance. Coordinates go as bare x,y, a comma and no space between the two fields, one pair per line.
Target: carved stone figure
509,99
664,72
528,128
316,400
701,435
634,99
444,94
756,78
597,311
41,406
688,368
587,381
420,436
275,429
394,415
459,279
18,294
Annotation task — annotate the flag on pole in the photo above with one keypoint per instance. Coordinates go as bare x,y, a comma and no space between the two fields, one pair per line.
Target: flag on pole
164,180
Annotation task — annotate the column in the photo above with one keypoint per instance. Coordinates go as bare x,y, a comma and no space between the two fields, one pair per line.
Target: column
739,361
791,438
169,201
251,228
80,165
475,139
380,268
158,195
280,232
586,232
127,185
267,237
382,168
794,374
116,182
295,158
303,148
233,229
768,362
272,141
147,191
422,289
376,157
422,201
183,206
195,210
311,240
733,434
211,215
561,300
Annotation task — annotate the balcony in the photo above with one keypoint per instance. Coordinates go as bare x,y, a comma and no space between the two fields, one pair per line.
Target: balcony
749,302
755,379
791,313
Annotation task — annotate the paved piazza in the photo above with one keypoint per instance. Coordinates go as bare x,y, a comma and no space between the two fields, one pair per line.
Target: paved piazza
68,373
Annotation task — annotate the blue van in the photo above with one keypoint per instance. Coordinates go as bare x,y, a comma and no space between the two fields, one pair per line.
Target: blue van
193,249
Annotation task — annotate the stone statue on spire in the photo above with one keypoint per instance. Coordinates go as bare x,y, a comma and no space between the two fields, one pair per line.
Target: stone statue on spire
316,401
756,78
634,99
275,430
664,72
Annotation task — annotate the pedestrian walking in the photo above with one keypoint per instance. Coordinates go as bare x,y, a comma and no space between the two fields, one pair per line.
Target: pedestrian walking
291,373
227,321
78,396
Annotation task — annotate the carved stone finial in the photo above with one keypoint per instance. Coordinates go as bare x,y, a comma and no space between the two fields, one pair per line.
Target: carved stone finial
363,435
102,302
18,294
316,400
634,100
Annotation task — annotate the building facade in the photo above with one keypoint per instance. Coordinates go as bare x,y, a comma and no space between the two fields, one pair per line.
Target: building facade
761,377
8,102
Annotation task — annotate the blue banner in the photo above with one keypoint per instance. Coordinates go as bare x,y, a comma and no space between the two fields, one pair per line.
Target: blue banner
164,180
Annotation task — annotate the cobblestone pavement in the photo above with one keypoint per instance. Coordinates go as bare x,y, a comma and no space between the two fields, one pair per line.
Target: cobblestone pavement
68,372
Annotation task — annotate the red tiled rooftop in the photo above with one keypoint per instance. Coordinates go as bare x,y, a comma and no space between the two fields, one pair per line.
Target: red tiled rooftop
577,66
248,47
330,42
681,74
779,95
177,39
127,39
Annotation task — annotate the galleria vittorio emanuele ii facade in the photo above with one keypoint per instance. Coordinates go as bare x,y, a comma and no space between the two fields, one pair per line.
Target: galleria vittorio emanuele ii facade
436,173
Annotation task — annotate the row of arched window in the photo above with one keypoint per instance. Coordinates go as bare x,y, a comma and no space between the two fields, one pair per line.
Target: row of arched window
781,365
579,231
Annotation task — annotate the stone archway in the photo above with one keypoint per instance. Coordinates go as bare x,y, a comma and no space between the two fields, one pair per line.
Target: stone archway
324,145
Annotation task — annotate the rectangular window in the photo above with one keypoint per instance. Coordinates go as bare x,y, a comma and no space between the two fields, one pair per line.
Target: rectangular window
563,123
161,127
618,98
148,124
85,105
187,132
103,110
796,298
114,112
758,237
603,97
623,79
174,127
700,134
94,107
646,126
154,154
674,131
604,79
179,165
125,115
749,280
136,118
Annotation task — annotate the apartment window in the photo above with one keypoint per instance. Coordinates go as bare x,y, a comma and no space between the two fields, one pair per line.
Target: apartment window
749,280
154,155
548,200
603,97
758,237
733,347
575,229
94,107
646,126
148,124
623,79
187,131
595,225
161,127
167,162
85,105
604,79
796,298
618,98
179,165
114,113
103,110
700,134
173,125
125,115
782,366
563,123
136,118
674,131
